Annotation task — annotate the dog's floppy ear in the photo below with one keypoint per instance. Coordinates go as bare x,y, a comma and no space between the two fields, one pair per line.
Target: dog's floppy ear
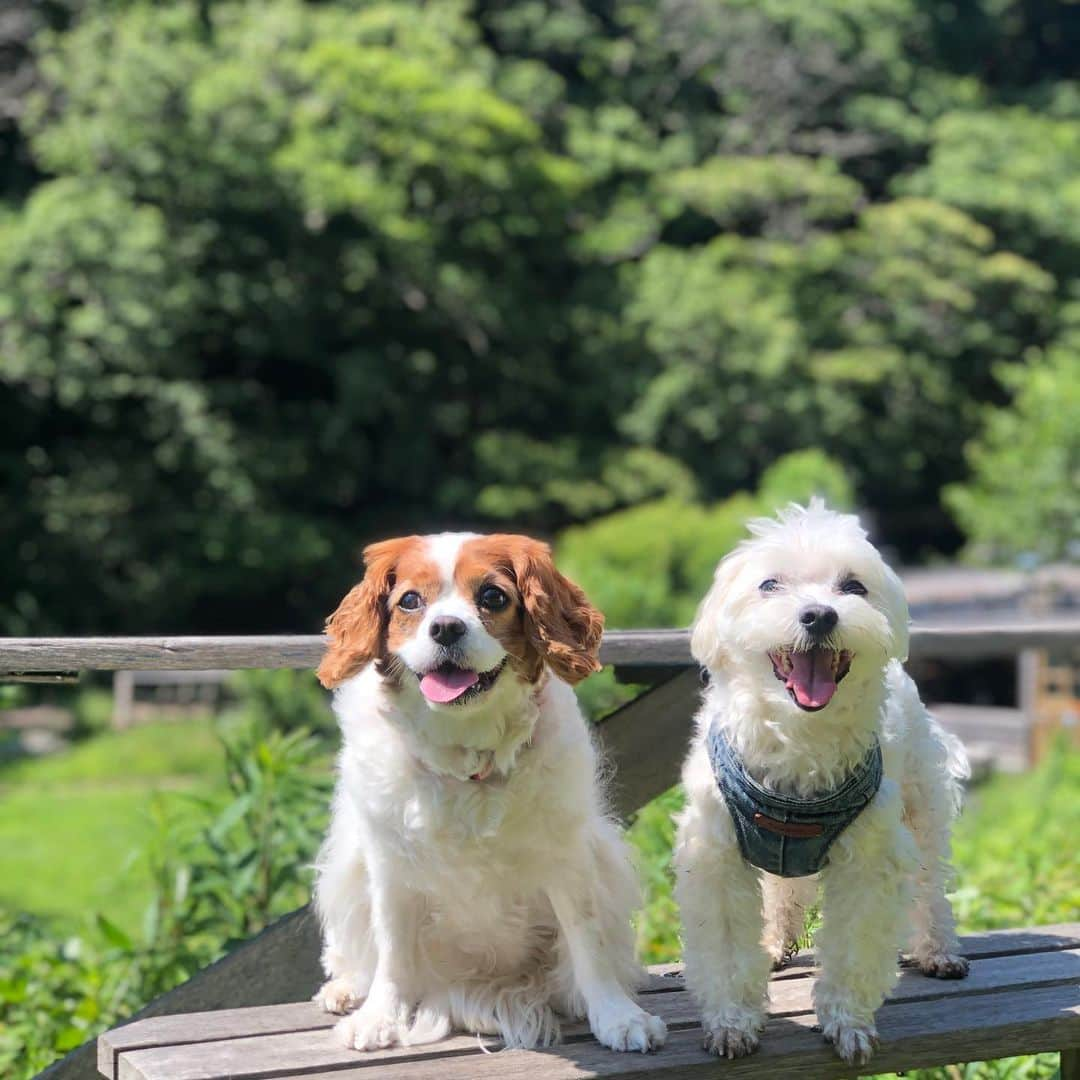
357,629
705,638
560,623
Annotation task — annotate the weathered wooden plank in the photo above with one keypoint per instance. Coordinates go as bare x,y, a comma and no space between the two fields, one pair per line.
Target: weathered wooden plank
912,1036
647,647
279,965
160,653
943,642
646,740
193,1054
660,648
1000,958
989,943
180,1029
1024,943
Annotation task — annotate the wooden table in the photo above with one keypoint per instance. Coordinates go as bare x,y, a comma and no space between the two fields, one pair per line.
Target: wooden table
1022,996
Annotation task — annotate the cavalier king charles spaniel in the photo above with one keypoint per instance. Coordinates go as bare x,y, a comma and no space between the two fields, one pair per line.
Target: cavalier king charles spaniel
814,763
471,878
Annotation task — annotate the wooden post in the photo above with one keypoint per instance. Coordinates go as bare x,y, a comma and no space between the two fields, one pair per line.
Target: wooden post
1070,1064
1028,663
123,700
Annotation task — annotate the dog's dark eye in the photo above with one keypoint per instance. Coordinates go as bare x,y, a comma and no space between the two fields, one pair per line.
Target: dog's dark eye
853,587
492,598
769,585
410,601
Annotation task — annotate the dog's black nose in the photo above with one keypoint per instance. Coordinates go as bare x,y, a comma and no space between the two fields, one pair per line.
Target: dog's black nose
818,619
446,629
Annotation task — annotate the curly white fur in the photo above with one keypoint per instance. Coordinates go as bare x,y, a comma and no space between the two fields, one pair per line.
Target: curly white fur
740,921
490,905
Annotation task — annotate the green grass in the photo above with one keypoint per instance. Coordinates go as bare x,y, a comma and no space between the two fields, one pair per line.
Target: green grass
1016,849
75,826
1017,861
182,748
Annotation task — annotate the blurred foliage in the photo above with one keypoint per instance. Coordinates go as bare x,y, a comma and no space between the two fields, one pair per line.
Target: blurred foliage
1024,495
222,869
277,278
283,700
1015,868
650,566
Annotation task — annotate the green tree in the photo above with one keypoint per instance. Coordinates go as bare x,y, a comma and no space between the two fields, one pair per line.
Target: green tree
278,278
1023,497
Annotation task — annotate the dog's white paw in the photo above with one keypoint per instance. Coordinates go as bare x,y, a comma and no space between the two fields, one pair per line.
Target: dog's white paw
943,966
371,1028
733,1033
630,1029
338,996
852,1041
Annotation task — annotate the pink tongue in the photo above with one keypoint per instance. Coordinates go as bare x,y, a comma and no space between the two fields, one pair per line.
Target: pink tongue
440,687
811,678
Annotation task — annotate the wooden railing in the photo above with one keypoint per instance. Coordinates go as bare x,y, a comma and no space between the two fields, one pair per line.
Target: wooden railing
644,648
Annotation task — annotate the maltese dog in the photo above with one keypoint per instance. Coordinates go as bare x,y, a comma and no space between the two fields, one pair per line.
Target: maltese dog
814,761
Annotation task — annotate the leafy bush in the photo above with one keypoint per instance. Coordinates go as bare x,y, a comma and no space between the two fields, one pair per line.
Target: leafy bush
93,710
650,565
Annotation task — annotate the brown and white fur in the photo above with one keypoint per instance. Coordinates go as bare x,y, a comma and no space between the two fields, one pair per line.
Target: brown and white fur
471,878
800,728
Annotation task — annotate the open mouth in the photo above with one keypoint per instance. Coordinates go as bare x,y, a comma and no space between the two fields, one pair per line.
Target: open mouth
812,675
449,684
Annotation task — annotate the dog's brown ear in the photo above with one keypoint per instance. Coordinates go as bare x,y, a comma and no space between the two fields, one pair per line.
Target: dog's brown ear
560,623
357,630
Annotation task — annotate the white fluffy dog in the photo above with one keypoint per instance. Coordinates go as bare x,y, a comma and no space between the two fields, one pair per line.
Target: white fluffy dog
804,632
471,877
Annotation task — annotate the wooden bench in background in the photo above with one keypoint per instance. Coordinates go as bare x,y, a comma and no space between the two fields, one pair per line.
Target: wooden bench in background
1022,996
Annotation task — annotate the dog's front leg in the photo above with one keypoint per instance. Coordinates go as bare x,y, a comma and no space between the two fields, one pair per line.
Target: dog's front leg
384,1018
616,1019
935,947
719,893
866,896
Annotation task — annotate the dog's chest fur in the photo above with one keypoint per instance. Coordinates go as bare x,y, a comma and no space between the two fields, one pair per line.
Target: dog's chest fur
466,840
810,755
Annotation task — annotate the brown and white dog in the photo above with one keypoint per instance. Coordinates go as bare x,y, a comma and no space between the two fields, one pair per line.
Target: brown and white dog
471,878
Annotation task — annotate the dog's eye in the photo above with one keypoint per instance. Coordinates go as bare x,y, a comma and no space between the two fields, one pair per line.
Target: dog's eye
410,601
853,587
769,585
492,598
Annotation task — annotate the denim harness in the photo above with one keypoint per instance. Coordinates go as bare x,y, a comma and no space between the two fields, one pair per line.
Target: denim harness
786,836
